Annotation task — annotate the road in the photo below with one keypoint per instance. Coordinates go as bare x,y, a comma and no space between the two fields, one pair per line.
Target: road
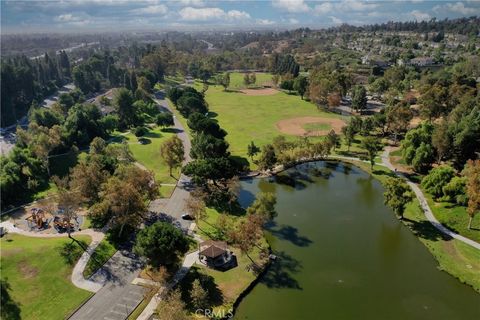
119,297
174,207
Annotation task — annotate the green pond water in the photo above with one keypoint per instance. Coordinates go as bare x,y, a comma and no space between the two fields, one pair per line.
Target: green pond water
342,254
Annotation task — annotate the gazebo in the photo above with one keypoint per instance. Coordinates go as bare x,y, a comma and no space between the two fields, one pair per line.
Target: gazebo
215,254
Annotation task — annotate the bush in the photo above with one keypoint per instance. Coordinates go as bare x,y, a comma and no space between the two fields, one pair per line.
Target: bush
454,191
164,119
140,131
437,179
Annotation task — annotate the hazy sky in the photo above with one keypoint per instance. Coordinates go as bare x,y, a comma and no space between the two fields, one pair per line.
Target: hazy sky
111,15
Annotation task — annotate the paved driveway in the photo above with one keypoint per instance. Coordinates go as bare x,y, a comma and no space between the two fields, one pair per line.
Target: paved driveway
118,298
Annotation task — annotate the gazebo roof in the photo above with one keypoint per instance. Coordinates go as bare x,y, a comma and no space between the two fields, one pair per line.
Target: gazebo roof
212,249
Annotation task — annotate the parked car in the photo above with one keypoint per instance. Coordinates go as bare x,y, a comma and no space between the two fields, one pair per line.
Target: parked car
187,216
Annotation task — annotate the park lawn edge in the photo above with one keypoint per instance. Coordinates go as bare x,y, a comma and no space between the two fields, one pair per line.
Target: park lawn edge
43,266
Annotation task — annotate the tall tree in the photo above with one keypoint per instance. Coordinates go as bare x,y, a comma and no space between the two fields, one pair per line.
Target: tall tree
161,243
472,172
252,150
268,158
372,145
359,99
172,307
397,195
172,152
349,135
198,295
300,85
123,101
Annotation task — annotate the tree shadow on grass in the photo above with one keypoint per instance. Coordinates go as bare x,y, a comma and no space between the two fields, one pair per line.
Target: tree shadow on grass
72,251
279,274
288,233
9,308
144,141
152,134
171,130
424,229
215,295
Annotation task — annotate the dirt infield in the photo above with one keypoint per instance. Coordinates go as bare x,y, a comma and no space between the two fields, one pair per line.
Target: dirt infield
259,92
295,126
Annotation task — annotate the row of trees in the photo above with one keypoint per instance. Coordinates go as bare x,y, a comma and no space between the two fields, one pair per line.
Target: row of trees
187,100
454,138
25,80
212,168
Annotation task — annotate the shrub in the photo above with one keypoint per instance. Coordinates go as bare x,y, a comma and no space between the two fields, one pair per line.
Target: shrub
455,191
140,131
437,179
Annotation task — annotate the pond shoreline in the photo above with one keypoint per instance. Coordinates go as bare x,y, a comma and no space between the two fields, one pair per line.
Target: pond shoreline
281,168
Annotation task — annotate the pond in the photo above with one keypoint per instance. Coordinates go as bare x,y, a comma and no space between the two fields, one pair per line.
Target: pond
342,254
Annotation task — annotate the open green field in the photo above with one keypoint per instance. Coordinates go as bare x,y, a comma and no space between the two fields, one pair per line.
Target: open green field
148,155
253,118
38,277
236,80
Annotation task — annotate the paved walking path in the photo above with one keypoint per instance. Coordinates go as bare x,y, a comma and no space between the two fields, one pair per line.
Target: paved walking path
423,203
188,262
77,273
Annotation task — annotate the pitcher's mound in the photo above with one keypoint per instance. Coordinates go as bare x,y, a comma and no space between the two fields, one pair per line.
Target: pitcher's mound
310,126
259,92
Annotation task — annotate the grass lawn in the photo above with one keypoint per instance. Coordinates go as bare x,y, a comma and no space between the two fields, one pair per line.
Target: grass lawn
224,286
39,276
454,217
453,256
253,118
102,254
149,155
236,80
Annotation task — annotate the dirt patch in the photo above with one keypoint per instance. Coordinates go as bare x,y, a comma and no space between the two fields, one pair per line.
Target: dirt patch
296,126
260,92
27,270
11,252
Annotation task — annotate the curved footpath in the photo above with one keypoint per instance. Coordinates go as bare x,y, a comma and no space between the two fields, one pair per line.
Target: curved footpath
77,274
423,203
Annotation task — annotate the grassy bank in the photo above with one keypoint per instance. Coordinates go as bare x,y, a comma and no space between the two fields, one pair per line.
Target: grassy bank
454,217
37,272
224,287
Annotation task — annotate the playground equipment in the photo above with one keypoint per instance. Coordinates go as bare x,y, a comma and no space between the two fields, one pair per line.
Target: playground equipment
62,224
37,218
